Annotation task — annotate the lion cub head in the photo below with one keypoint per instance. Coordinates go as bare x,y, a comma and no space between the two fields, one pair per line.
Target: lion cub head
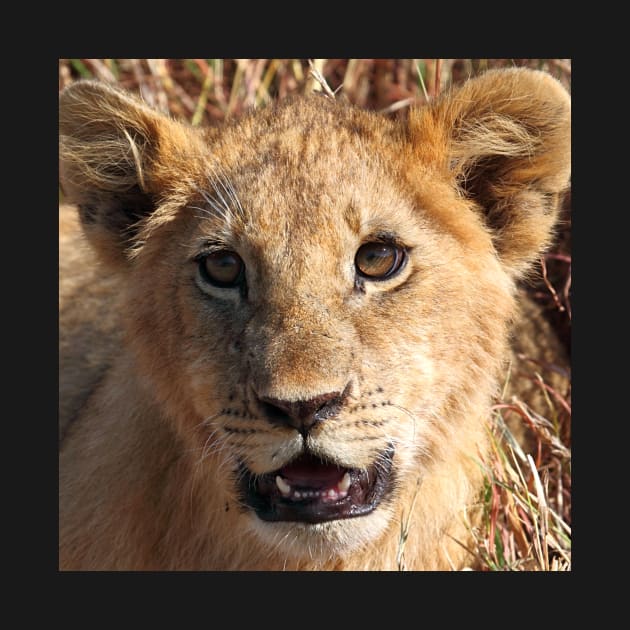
317,297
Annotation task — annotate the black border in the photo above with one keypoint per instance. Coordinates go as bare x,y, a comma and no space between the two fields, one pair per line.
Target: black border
36,292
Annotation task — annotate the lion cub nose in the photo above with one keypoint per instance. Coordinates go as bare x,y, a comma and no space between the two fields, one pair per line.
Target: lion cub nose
303,415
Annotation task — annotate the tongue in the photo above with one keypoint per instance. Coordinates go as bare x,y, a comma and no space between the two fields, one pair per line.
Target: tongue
310,472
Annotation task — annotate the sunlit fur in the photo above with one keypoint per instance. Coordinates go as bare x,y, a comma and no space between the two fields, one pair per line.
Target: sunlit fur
158,368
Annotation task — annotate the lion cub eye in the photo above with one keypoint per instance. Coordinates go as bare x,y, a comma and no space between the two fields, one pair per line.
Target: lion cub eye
378,261
224,269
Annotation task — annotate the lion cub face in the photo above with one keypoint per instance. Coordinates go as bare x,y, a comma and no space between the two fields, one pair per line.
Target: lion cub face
318,297
320,373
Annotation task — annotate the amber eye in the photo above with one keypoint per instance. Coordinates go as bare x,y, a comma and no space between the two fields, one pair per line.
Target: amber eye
223,269
378,261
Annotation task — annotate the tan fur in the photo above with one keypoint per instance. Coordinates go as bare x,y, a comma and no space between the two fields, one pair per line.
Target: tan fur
157,371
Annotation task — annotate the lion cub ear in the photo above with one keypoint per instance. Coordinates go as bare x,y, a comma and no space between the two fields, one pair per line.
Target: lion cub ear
505,140
119,161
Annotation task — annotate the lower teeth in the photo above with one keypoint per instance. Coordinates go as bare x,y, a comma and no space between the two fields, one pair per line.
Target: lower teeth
327,496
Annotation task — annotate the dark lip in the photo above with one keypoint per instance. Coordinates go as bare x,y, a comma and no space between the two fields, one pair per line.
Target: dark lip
367,490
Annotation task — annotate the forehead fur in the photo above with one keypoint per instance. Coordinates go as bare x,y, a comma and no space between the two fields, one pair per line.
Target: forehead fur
309,166
312,146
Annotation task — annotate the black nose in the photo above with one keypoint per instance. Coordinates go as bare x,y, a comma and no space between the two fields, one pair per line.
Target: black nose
303,415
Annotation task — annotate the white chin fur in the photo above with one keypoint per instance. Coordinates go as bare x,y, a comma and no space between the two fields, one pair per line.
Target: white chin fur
320,542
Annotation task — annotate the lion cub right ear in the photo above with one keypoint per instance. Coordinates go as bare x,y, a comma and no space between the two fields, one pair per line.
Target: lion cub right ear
504,140
119,162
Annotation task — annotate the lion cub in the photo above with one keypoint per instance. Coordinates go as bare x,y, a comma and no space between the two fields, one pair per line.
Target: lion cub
280,339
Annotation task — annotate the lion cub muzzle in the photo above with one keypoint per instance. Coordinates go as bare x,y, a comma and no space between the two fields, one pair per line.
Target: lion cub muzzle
312,487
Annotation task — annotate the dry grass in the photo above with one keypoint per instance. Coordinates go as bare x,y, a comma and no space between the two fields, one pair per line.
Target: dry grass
526,505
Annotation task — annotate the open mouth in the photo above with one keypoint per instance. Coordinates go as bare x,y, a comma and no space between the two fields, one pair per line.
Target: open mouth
311,490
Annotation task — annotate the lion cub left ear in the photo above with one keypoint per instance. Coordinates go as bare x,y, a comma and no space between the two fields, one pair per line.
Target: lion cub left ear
504,139
120,161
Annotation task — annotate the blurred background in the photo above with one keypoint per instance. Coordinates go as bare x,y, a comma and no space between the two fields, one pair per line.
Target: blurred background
206,91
